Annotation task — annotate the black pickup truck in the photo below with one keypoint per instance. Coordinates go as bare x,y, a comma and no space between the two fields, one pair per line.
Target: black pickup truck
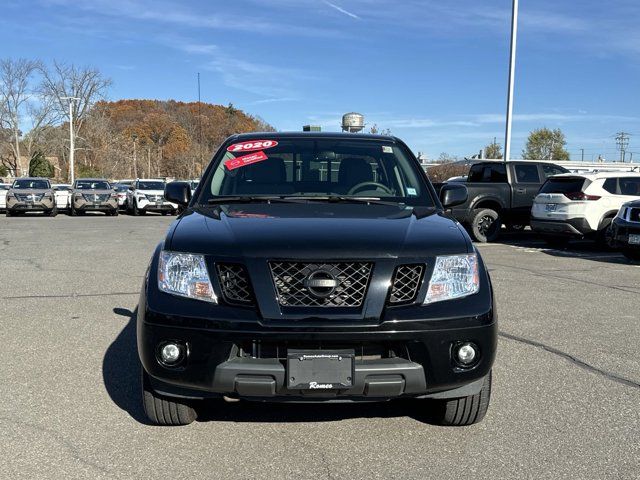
501,193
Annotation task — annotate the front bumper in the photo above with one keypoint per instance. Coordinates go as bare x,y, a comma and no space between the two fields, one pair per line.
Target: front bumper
234,352
29,207
620,231
83,205
576,227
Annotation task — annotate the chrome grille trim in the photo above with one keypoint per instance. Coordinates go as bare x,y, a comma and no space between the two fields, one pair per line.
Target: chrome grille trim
291,279
405,284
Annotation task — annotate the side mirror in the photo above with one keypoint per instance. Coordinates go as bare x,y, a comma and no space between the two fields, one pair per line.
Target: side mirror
178,192
452,194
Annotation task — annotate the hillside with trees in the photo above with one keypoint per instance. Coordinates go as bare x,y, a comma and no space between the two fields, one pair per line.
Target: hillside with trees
166,138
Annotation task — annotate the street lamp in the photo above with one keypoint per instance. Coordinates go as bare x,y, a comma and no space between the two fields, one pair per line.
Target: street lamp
72,101
512,72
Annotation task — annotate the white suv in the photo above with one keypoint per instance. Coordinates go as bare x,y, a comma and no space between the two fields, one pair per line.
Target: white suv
147,195
581,205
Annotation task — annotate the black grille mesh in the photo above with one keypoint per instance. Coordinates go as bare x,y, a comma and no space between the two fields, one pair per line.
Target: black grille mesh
235,284
406,281
291,281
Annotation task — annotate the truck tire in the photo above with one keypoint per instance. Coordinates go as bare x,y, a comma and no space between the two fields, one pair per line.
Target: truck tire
603,234
485,225
134,209
162,411
53,212
458,412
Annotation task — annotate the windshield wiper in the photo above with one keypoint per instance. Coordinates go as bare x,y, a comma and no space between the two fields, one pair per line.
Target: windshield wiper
251,199
345,199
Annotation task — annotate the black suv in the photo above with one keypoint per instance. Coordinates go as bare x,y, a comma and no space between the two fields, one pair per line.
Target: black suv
316,267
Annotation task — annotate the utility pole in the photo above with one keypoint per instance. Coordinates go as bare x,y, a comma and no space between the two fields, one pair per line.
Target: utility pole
134,137
149,161
512,72
72,147
622,142
582,154
199,127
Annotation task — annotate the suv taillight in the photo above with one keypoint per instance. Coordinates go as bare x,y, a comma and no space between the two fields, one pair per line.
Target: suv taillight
580,196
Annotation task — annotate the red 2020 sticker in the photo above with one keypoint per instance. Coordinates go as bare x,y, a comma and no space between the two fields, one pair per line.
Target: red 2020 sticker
245,160
252,146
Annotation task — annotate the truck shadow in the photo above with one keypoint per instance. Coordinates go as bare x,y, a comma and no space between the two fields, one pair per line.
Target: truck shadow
121,376
584,249
121,369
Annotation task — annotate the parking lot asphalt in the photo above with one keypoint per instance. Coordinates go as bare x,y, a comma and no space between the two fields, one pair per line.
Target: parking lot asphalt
565,404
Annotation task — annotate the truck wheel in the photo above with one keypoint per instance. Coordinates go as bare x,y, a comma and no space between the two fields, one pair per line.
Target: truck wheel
485,225
463,411
632,254
163,411
603,233
53,212
134,209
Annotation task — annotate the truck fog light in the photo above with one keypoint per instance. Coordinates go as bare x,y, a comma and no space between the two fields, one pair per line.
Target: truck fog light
466,354
171,353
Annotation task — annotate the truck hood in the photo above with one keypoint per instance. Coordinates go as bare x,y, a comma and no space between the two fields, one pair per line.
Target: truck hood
316,230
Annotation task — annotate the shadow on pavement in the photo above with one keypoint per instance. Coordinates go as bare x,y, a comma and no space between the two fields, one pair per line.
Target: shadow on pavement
584,249
121,375
121,369
265,412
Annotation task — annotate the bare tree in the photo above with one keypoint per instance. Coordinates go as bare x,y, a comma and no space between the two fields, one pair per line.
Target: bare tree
64,81
15,96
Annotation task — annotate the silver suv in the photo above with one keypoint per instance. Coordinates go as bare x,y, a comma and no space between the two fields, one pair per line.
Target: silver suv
31,194
93,195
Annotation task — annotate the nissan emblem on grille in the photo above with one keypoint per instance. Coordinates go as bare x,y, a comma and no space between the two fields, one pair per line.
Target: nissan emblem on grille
340,284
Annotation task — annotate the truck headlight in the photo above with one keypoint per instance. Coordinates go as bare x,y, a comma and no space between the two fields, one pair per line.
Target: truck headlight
185,275
453,276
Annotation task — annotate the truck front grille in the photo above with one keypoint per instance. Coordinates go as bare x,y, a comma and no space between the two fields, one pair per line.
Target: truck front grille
235,284
406,281
340,284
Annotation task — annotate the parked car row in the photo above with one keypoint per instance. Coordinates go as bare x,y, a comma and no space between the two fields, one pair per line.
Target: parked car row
30,194
558,205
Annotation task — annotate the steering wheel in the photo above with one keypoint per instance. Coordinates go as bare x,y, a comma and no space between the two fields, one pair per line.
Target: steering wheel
376,185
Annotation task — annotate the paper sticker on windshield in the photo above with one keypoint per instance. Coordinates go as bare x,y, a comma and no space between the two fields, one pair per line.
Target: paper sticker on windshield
387,149
411,191
251,146
245,160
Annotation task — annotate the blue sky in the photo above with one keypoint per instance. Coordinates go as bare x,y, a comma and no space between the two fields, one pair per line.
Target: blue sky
434,72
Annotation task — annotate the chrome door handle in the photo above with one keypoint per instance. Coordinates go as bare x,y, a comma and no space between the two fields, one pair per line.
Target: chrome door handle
521,190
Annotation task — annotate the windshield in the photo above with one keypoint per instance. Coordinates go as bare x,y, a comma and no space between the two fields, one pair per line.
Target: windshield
120,187
312,167
150,185
31,184
92,185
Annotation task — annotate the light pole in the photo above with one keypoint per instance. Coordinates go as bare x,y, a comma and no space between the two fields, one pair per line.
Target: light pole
512,72
72,148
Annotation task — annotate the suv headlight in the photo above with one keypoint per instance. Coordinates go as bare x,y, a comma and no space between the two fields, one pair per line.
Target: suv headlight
185,275
453,276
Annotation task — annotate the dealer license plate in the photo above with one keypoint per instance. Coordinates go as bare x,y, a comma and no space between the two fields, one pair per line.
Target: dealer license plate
634,239
318,370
